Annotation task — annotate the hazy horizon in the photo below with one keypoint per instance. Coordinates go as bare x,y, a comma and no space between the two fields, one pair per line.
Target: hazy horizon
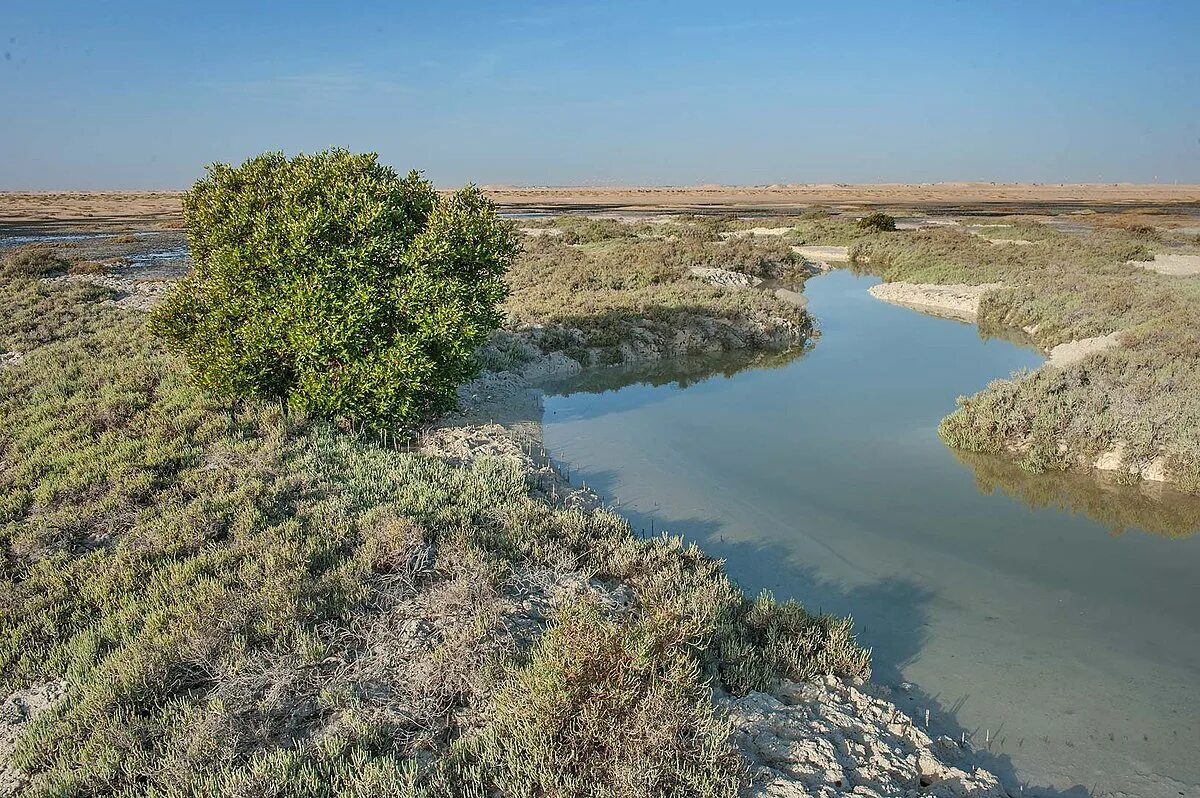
137,96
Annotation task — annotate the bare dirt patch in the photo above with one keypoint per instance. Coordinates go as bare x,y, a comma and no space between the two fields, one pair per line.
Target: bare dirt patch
957,301
758,231
1174,264
1074,351
820,254
16,712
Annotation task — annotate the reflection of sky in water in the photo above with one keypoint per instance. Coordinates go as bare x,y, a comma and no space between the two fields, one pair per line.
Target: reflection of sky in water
49,238
158,256
824,479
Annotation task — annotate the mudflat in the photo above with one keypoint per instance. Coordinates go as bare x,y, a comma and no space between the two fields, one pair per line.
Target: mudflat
121,208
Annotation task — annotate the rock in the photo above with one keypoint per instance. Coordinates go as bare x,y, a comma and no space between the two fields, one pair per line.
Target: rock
830,738
16,712
724,277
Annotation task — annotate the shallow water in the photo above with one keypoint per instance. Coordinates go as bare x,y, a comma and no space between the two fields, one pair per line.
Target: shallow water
1007,601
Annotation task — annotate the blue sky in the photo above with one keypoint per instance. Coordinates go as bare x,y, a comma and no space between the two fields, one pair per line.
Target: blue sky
126,94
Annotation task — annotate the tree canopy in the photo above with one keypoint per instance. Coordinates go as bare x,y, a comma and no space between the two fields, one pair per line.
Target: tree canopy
329,282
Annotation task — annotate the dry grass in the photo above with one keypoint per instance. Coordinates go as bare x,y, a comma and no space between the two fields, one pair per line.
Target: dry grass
593,298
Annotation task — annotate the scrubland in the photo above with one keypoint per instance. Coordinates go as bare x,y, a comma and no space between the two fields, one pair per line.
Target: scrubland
624,291
1140,399
245,601
237,600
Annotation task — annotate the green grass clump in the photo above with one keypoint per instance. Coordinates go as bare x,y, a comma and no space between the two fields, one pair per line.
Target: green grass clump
564,722
257,602
877,223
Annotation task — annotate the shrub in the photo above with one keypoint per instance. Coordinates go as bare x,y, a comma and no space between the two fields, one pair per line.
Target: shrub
878,223
33,260
608,708
266,605
328,282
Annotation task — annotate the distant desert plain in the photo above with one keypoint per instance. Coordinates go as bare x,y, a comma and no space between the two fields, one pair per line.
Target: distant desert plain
119,208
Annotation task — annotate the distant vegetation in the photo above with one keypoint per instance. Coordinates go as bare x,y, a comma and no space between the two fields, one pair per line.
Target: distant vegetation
592,298
877,223
331,284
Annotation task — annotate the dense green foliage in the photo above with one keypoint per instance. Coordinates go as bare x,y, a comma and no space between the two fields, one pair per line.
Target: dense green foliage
332,284
877,223
231,602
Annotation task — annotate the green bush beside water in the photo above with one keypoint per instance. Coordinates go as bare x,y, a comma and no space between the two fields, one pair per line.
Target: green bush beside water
331,284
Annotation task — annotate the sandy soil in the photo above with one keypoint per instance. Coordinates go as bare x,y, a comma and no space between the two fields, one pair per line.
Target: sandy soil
17,711
1118,459
1172,264
1021,242
121,208
758,231
794,297
103,209
914,194
823,254
1075,351
958,301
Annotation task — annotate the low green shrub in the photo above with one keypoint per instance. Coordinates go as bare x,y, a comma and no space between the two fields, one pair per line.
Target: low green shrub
33,260
331,284
877,223
608,708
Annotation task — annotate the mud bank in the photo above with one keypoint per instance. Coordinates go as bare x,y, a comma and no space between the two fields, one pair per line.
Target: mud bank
959,302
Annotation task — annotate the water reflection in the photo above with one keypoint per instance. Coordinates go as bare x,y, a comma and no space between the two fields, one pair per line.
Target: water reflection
823,479
683,372
1149,506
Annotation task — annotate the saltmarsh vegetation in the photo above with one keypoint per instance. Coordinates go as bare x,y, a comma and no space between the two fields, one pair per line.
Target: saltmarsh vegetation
590,299
263,602
1141,398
